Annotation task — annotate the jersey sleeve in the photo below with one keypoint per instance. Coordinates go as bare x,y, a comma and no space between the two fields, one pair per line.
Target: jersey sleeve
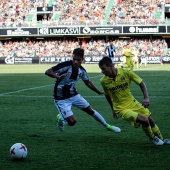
103,85
134,77
84,75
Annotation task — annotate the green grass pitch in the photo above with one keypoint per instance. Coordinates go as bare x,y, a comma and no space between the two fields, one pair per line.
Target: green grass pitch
28,115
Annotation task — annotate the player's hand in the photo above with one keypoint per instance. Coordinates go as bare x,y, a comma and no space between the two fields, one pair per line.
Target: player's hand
145,102
63,75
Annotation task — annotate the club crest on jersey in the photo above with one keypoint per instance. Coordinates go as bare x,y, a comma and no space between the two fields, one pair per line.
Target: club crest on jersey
122,78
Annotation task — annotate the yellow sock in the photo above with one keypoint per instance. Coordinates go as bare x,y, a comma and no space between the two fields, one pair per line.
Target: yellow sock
157,132
148,131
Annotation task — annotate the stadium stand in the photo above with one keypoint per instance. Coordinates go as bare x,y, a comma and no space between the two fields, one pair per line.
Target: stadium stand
23,13
107,12
52,47
82,12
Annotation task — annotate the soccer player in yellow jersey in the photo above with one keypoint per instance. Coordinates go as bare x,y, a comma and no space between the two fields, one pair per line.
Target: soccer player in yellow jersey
135,60
128,54
116,86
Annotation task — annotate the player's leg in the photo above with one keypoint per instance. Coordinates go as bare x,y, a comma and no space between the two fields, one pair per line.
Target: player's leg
148,130
145,114
145,61
82,104
135,118
97,116
137,63
65,116
148,124
155,128
131,64
145,125
156,131
128,62
112,58
141,62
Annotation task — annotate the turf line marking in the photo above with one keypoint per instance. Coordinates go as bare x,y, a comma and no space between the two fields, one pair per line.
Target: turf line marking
24,90
26,96
2,94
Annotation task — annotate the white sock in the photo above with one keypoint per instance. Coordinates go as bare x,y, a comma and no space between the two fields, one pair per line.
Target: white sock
97,116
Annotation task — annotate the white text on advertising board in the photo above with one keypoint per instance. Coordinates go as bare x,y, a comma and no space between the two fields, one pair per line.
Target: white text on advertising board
17,32
64,31
144,30
88,30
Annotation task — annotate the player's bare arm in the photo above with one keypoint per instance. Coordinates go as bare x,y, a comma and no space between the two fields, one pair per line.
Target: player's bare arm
111,105
52,74
143,88
90,85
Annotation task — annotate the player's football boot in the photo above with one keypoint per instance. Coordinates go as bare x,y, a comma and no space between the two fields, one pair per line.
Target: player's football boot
113,129
60,124
156,140
166,141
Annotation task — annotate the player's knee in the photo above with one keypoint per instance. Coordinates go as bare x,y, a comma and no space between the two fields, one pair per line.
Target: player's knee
71,122
89,110
143,120
151,122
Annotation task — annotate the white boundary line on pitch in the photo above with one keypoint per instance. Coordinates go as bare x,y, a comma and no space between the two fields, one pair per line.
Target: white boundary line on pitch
17,91
26,96
25,90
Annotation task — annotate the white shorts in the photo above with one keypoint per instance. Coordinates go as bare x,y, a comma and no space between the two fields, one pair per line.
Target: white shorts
112,58
64,106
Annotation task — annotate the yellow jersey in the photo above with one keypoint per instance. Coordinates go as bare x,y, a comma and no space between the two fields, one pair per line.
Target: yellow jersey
119,89
127,52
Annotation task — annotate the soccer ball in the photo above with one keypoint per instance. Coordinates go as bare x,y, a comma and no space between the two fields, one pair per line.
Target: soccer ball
18,151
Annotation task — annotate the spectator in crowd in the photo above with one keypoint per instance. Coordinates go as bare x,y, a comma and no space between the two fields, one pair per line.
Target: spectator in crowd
61,47
160,54
16,13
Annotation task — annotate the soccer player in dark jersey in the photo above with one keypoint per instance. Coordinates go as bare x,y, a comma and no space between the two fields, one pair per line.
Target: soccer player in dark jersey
110,50
65,95
116,86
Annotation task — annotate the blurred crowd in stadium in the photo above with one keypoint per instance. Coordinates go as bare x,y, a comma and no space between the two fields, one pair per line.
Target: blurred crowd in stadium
89,12
15,13
61,48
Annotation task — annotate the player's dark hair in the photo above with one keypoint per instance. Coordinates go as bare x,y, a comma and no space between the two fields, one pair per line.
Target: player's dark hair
78,52
105,61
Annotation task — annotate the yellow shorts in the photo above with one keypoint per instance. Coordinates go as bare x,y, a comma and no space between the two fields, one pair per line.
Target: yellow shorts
130,114
129,63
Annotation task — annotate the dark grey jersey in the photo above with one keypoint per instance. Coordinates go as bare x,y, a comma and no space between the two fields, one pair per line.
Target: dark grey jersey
64,88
